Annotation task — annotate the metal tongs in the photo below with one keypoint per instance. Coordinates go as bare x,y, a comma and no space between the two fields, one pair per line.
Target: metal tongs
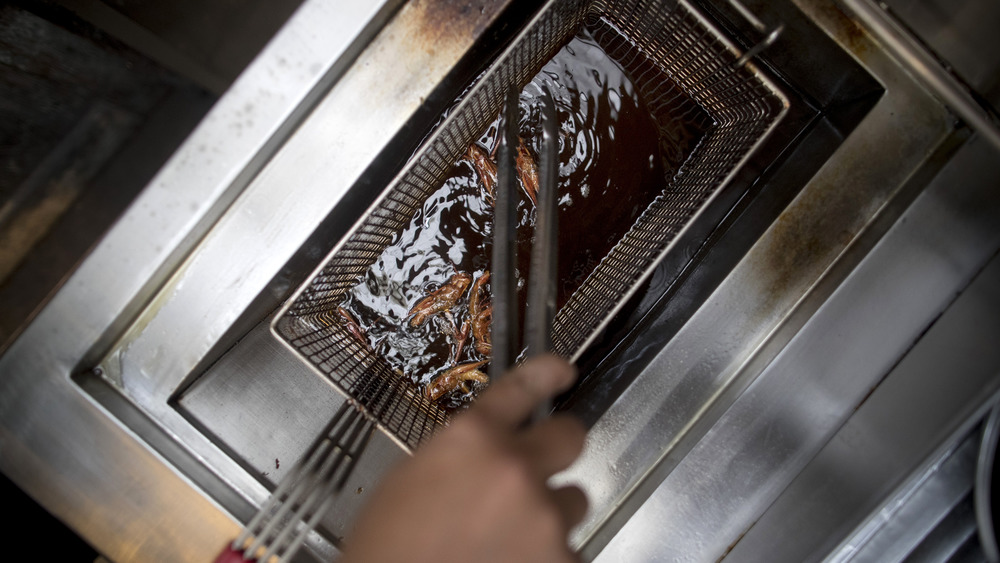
544,250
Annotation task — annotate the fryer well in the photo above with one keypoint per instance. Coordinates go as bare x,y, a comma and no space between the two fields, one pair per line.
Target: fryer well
683,68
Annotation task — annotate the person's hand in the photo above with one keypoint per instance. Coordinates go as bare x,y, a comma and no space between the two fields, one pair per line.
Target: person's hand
477,491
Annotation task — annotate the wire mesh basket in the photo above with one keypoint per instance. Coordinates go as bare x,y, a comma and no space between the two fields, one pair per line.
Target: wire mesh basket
683,68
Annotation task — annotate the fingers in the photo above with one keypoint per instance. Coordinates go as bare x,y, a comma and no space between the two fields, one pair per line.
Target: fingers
553,444
571,503
510,400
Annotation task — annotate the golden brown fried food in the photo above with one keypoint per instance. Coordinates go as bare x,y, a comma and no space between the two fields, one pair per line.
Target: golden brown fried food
527,170
485,167
481,313
352,326
440,300
456,378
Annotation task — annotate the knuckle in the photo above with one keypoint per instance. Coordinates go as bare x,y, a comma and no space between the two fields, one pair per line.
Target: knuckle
469,432
524,384
472,425
574,432
514,473
567,432
549,522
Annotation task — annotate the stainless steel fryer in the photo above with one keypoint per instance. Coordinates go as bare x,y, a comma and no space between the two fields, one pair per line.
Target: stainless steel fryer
811,352
680,63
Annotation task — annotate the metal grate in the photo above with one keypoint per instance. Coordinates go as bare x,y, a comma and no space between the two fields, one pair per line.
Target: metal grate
281,525
684,70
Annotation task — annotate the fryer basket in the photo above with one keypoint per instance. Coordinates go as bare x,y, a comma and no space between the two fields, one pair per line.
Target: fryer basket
683,68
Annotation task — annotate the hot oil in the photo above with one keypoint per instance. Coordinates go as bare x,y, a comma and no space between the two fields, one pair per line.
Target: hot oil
612,164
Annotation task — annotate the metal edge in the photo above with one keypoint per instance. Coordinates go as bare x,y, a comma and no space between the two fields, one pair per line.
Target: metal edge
187,318
925,68
785,105
195,151
870,526
80,461
591,537
983,490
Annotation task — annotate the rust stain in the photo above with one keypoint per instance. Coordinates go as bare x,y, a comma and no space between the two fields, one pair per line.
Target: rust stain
452,22
847,30
866,397
31,223
807,236
733,545
423,42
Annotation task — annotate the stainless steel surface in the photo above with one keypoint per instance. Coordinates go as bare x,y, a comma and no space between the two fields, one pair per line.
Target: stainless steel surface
923,65
985,460
770,368
941,382
234,403
658,429
305,495
780,474
891,526
962,33
933,251
282,205
545,246
505,330
280,208
70,453
918,509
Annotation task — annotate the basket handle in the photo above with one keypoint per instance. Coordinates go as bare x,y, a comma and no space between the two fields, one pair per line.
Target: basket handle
770,34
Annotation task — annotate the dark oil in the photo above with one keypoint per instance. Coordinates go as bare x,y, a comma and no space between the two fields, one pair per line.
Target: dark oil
614,159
